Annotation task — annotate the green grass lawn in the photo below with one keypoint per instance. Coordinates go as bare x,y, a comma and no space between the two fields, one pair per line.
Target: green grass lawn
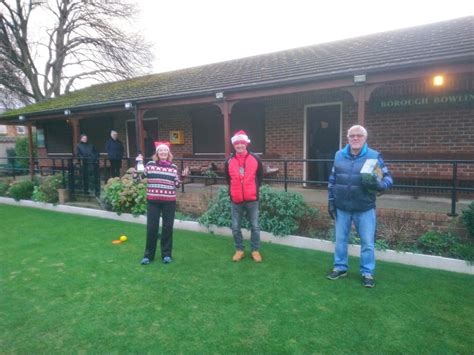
65,288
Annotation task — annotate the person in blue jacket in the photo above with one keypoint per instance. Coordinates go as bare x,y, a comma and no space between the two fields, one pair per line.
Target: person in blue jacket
351,200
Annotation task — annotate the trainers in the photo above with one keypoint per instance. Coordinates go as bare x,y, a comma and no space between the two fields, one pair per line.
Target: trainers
368,281
145,261
167,260
239,255
336,274
256,256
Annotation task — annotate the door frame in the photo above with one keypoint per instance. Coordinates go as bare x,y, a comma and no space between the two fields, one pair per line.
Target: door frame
305,133
126,130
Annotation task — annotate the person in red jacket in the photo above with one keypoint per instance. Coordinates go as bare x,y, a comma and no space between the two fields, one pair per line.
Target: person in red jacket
244,174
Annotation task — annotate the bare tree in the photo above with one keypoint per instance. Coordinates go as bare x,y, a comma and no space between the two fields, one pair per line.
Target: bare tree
75,41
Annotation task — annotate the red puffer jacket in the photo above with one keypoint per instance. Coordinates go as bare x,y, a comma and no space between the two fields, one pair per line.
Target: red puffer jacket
243,187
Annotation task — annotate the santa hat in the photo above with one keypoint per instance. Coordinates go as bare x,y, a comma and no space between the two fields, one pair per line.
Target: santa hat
240,137
159,145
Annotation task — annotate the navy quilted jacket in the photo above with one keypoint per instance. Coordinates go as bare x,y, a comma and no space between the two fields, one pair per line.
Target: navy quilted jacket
345,183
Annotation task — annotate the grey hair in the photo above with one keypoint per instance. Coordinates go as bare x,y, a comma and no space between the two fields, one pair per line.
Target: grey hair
359,127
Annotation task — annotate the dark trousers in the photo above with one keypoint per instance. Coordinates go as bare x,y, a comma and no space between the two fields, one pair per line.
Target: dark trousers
90,168
154,210
115,165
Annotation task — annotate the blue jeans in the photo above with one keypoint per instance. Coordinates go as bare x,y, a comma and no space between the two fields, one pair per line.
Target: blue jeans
365,223
252,214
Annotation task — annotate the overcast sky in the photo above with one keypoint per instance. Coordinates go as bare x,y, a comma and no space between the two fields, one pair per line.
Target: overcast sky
188,33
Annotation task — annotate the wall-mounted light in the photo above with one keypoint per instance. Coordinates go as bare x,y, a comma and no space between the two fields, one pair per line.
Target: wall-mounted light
219,96
358,79
128,106
67,112
438,80
21,118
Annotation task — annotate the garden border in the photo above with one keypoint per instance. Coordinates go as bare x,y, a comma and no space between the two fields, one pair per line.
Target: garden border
407,258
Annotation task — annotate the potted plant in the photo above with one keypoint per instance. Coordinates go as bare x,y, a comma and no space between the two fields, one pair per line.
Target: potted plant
211,177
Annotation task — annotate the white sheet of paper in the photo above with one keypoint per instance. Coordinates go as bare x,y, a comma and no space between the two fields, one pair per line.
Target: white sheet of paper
369,166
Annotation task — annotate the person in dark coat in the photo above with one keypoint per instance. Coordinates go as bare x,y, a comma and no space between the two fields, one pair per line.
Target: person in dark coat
88,158
115,150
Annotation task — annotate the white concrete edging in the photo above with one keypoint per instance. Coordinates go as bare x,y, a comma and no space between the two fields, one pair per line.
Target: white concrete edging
407,258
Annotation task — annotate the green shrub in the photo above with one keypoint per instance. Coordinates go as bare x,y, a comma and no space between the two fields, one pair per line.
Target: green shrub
468,219
22,151
445,244
280,212
436,243
11,154
4,186
38,195
22,190
124,195
47,191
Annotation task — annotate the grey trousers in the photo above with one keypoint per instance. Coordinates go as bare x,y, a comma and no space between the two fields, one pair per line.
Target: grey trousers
252,213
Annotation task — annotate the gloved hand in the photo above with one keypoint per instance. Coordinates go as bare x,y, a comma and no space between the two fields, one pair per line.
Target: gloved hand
332,209
372,184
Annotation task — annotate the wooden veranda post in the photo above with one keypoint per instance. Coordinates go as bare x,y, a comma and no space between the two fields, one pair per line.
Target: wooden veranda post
226,109
139,115
31,149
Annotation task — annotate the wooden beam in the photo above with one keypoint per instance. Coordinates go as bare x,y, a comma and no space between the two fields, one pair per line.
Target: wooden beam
361,106
139,115
226,109
75,134
29,125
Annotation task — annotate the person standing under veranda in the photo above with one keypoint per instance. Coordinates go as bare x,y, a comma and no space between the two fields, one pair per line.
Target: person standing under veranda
115,150
162,181
244,174
351,199
88,159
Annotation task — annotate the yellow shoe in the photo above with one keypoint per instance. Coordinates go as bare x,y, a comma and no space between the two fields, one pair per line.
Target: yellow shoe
256,256
239,255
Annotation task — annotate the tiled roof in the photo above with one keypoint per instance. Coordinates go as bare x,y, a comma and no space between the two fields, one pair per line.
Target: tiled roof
442,42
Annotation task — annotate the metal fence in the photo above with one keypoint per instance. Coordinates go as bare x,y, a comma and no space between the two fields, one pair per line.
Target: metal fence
439,177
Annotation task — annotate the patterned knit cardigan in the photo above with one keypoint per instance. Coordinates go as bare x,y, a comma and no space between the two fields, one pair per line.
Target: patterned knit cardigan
162,181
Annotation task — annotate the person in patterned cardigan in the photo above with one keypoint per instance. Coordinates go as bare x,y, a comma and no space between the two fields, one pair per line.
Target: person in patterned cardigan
162,181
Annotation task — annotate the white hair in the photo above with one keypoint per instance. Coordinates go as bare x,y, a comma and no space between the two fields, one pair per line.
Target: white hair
359,127
112,132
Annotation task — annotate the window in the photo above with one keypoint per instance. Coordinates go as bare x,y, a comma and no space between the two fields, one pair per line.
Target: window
97,130
150,126
251,118
3,129
58,137
208,130
40,137
20,130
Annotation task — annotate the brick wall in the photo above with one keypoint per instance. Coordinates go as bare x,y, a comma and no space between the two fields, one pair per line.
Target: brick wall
422,134
173,119
195,202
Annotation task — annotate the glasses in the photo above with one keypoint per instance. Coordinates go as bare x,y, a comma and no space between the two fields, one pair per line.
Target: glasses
352,136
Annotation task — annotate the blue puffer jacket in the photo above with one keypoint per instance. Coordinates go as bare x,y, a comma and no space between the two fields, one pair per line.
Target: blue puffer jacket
345,183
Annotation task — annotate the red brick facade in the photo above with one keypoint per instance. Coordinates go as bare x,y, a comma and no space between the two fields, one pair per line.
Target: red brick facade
426,133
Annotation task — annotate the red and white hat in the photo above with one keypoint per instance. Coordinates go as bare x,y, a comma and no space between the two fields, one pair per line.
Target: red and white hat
240,137
159,145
